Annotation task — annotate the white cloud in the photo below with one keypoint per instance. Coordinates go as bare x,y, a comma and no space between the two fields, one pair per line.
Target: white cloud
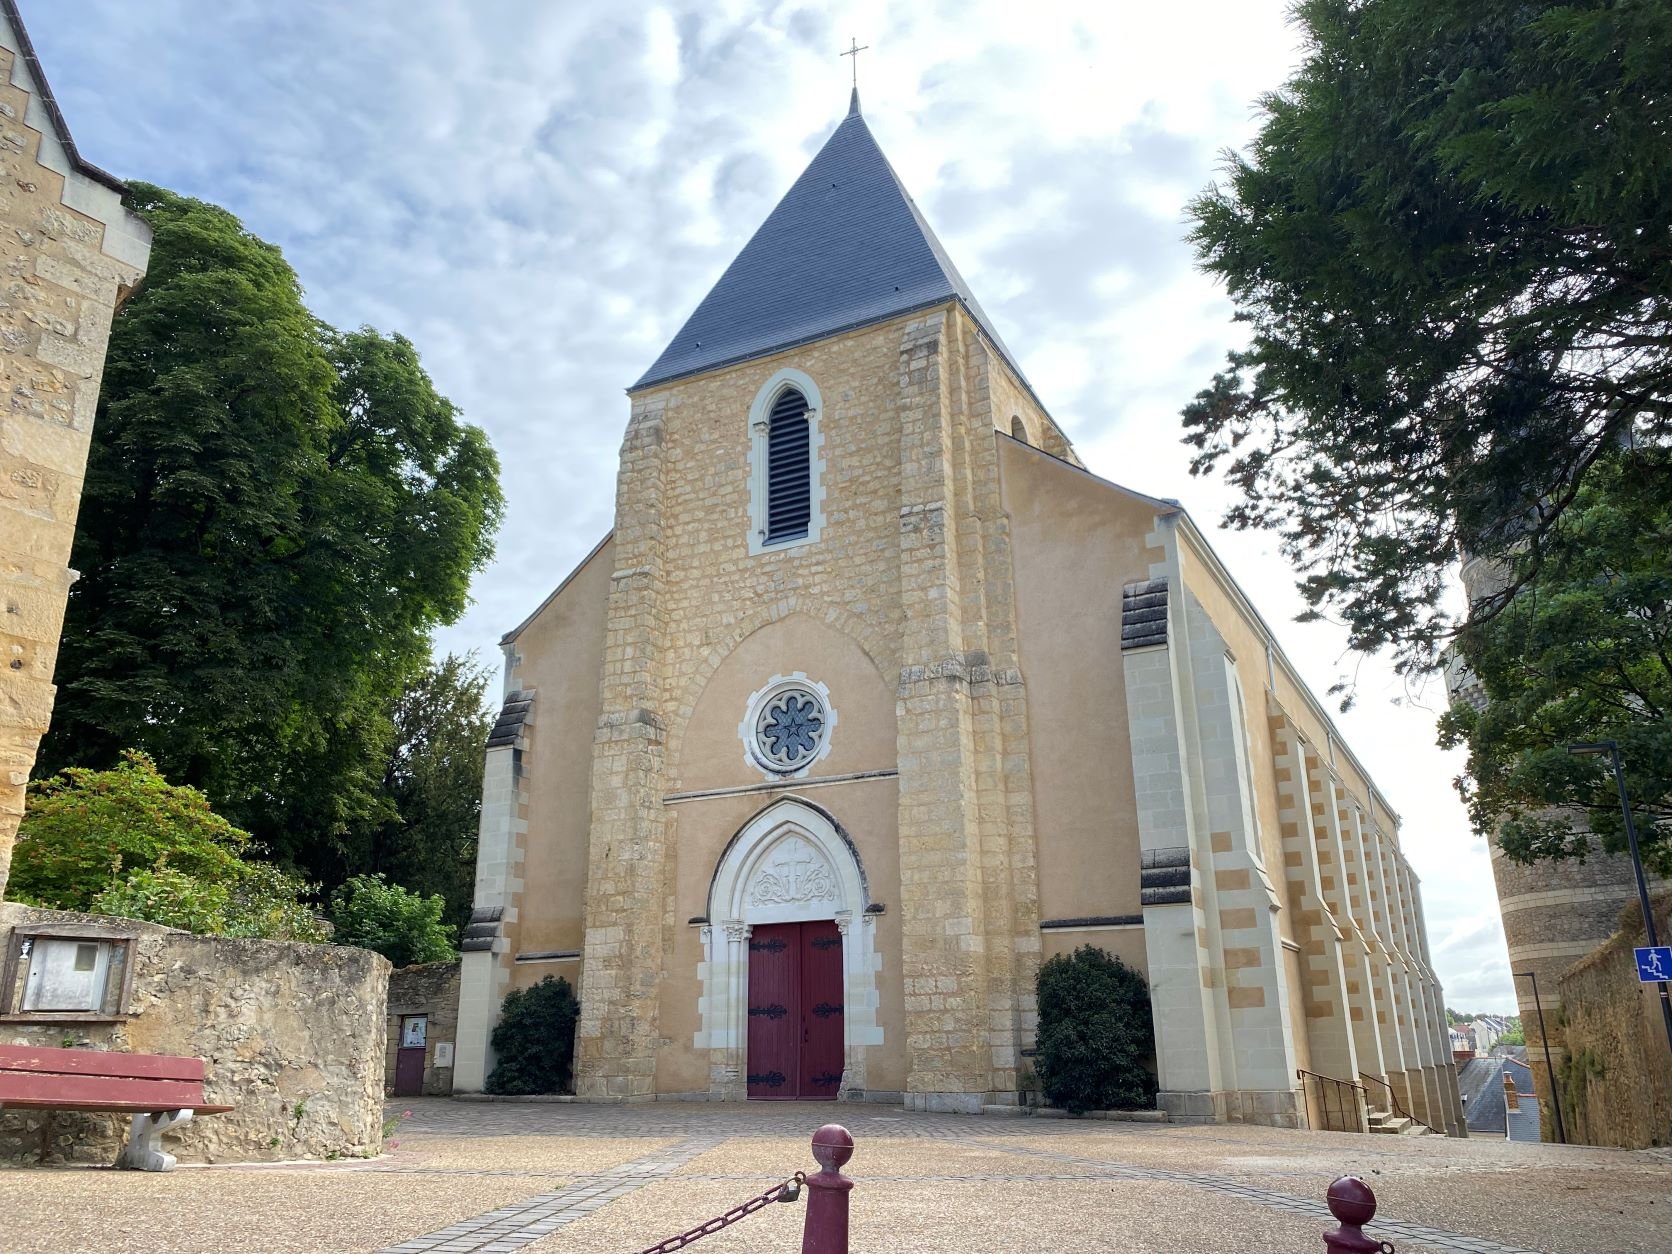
539,193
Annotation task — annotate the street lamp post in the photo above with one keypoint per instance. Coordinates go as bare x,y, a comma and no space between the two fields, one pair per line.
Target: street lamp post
1549,1067
1612,749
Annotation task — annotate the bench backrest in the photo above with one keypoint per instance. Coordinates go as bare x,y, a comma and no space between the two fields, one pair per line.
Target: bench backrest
87,1077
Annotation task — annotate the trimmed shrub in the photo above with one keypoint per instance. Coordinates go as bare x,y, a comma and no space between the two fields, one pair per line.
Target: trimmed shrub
534,1044
1095,1034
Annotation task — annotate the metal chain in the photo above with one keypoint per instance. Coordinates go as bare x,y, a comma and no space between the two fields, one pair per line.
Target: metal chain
731,1216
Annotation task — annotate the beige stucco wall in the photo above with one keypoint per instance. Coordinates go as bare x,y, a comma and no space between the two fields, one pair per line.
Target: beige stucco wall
1075,543
71,254
558,653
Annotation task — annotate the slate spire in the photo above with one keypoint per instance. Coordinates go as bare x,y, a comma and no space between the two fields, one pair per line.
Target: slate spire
846,247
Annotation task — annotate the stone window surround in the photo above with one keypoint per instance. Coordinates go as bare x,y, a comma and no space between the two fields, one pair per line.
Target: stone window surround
724,969
759,700
760,417
120,940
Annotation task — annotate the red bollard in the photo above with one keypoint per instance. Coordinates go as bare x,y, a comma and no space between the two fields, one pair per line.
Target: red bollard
1354,1205
826,1228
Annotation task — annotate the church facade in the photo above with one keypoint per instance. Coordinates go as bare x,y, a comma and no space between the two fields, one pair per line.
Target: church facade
875,697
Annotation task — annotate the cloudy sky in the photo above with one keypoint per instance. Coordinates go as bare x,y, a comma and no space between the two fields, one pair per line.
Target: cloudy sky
537,193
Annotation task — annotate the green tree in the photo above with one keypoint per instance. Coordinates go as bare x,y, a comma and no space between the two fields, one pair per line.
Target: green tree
262,902
1582,652
84,829
127,842
534,1041
434,780
276,515
1451,247
1095,1035
405,928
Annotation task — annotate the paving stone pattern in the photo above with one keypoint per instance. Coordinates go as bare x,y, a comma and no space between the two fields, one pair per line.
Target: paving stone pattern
514,1226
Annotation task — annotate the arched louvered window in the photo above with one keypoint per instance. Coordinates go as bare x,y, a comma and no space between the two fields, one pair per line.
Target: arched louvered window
786,495
789,470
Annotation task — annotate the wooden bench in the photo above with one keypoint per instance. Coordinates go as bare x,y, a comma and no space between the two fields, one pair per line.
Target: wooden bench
159,1091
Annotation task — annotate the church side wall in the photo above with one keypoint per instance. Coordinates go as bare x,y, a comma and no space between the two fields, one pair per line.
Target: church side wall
535,813
1075,544
558,655
1389,986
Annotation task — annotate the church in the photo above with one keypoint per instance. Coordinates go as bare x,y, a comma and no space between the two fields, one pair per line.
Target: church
875,697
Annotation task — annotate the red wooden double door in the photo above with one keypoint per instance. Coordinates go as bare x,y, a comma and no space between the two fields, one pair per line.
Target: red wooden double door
795,1011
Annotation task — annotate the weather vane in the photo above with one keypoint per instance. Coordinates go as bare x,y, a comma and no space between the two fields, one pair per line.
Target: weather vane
854,53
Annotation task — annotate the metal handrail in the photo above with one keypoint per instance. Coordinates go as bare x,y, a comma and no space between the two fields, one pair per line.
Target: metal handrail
1393,1099
1343,1090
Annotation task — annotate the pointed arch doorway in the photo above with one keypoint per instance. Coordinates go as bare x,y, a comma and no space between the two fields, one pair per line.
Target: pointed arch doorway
790,972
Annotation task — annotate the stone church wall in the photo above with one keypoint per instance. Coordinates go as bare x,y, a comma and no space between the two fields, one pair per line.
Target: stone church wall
292,1036
70,253
910,508
961,579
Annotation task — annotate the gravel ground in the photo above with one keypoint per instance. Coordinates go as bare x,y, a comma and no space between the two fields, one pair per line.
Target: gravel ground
773,1158
1133,1217
922,1183
294,1210
567,1156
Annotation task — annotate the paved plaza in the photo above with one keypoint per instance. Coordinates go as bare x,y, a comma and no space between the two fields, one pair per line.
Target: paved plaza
498,1177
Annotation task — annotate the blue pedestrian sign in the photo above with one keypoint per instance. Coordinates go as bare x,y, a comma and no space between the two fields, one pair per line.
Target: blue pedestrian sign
1654,963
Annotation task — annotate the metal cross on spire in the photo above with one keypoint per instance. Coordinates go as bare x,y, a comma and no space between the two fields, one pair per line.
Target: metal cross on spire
854,52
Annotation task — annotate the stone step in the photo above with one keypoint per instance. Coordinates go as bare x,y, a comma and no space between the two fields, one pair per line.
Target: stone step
1391,1127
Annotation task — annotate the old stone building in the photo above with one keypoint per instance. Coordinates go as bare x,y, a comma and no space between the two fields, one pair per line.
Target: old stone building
875,697
71,253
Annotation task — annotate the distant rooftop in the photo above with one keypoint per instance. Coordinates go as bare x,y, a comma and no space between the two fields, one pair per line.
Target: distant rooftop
846,247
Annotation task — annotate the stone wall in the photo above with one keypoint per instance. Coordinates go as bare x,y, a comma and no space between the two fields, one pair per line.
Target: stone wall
911,511
1615,1065
431,989
69,253
292,1036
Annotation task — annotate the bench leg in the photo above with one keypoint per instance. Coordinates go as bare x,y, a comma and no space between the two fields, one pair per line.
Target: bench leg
144,1150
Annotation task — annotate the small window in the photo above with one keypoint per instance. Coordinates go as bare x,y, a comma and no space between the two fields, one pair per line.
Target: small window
786,464
1019,429
789,479
65,974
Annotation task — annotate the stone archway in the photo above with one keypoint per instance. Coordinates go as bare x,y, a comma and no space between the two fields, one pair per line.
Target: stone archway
791,863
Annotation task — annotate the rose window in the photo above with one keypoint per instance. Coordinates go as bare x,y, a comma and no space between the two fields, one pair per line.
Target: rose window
789,728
